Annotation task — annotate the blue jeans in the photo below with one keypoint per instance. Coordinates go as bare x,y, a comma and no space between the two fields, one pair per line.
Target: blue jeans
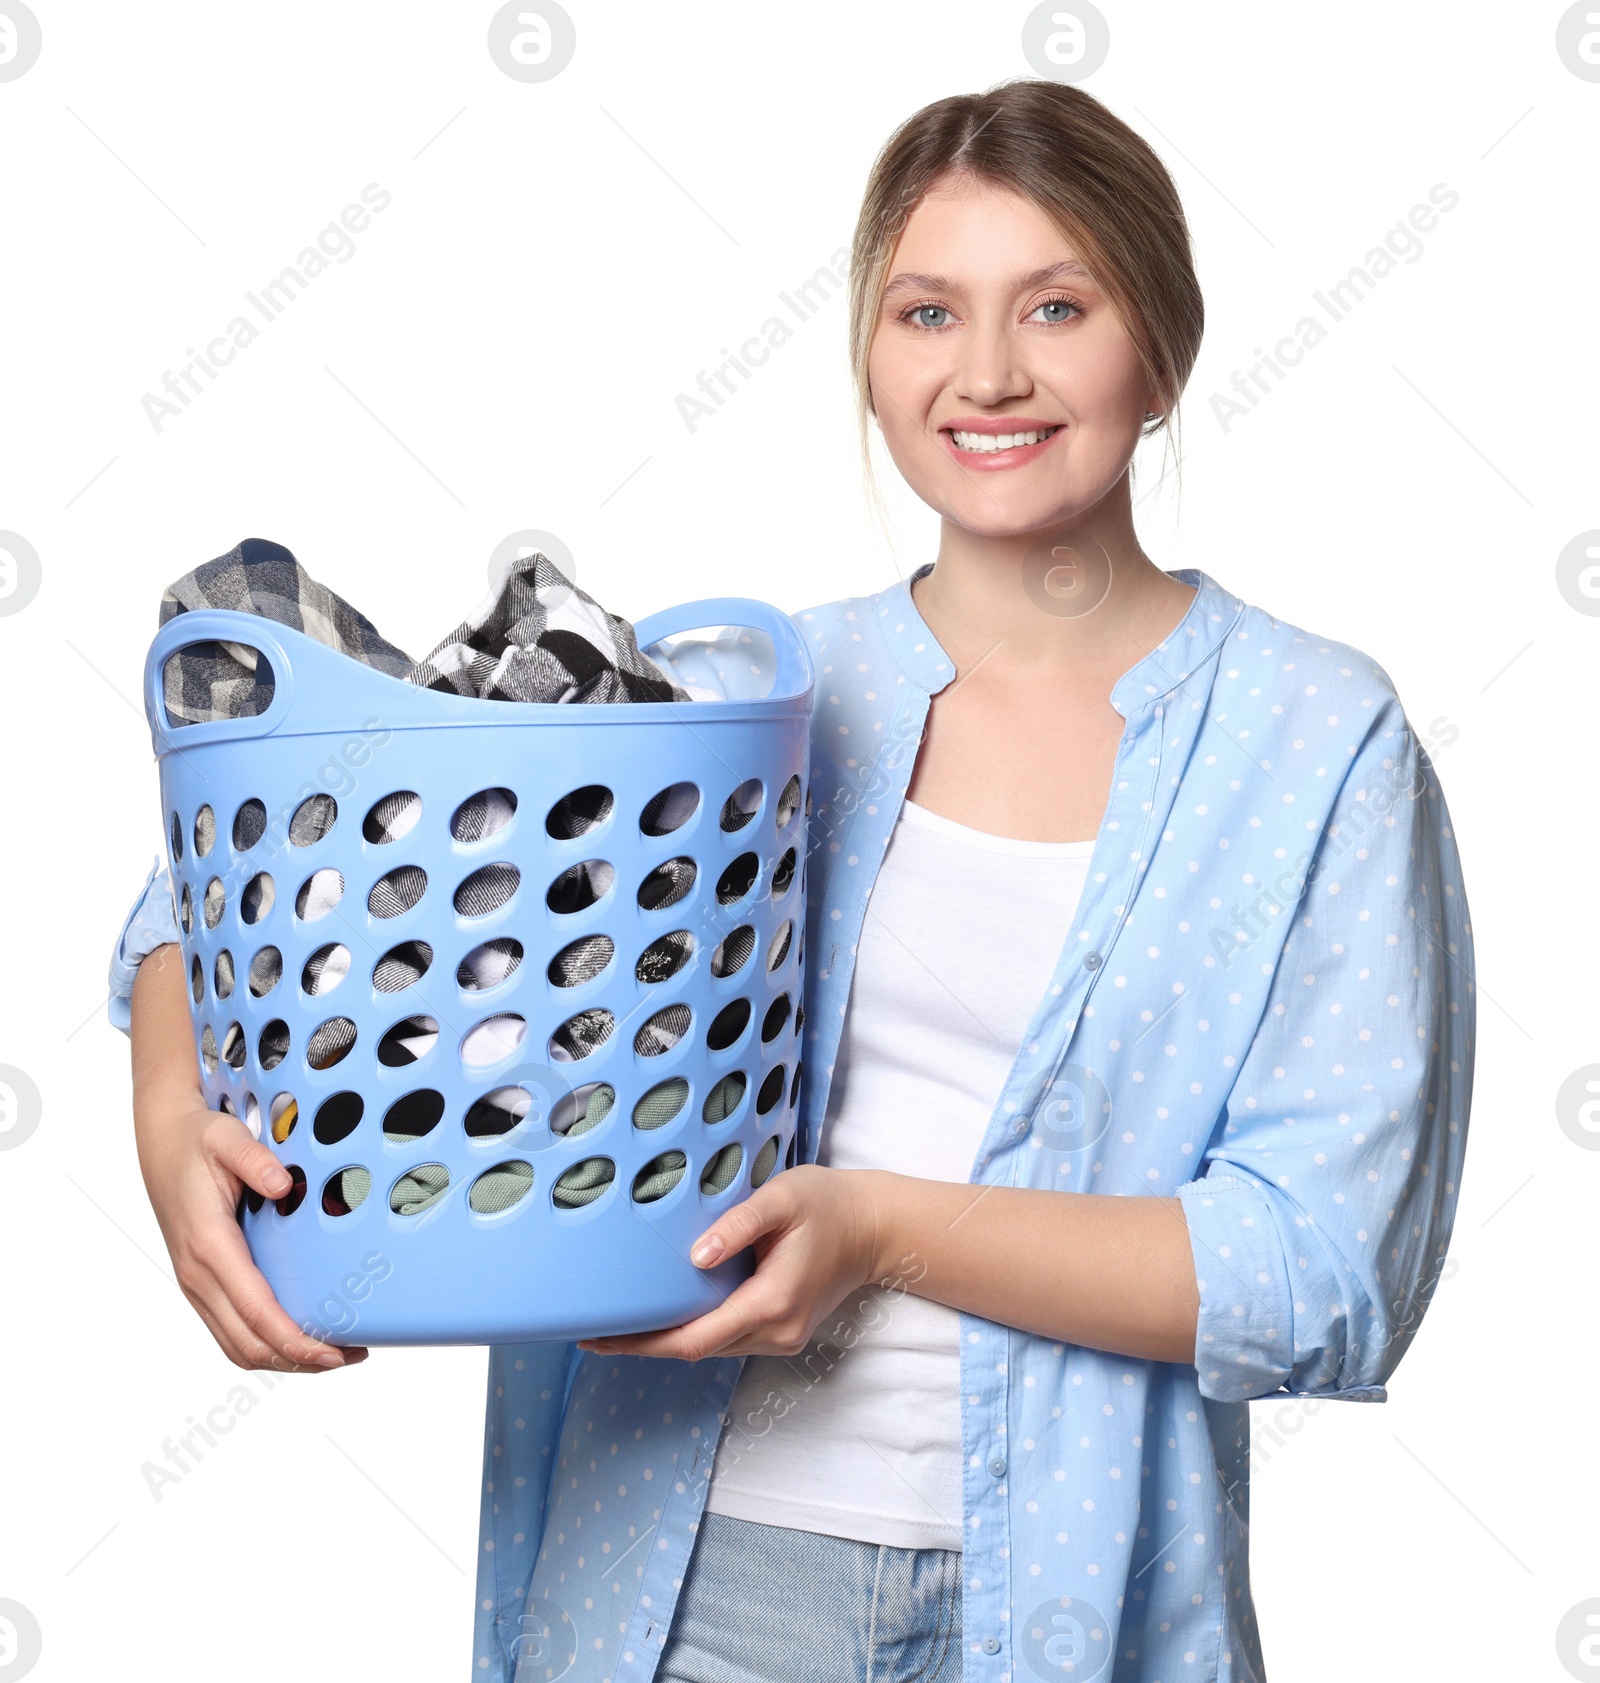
771,1604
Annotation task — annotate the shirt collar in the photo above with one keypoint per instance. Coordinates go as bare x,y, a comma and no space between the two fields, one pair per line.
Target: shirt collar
1204,627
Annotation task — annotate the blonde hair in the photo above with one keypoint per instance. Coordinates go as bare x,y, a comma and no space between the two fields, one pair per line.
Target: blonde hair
1098,183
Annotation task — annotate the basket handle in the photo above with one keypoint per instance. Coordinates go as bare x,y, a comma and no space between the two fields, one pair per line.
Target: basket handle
214,625
794,677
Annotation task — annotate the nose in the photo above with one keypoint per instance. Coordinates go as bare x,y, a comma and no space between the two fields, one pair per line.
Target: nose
992,365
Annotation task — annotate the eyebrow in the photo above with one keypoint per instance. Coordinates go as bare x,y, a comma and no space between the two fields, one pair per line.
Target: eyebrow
1068,269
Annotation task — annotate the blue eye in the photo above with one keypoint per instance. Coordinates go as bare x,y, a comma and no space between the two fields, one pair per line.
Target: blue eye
923,312
1057,310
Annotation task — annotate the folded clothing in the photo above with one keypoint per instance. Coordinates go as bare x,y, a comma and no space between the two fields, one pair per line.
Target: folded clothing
536,637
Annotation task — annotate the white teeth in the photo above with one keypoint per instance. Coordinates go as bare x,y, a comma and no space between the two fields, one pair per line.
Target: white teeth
986,443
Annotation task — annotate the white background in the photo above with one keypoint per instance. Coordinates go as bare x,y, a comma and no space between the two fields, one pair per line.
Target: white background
557,265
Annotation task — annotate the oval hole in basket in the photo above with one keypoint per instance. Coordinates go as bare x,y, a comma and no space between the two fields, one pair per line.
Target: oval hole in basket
788,802
483,815
208,1049
577,813
658,1177
419,1189
413,1115
397,891
256,901
249,825
487,889
581,1035
205,832
213,903
733,951
783,875
330,1042
186,910
392,817
583,1183
581,961
580,886
222,975
252,1115
346,1190
501,1188
497,1112
665,957
667,884
778,950
319,894
197,979
728,1024
793,1147
488,965
296,1195
583,1108
282,1116
777,1015
407,1041
723,1169
794,1087
177,839
266,971
771,1094
273,1045
742,805
337,1118
401,966
766,1161
725,1098
493,1040
663,1031
738,879
312,820
325,969
233,1046
661,1104
670,809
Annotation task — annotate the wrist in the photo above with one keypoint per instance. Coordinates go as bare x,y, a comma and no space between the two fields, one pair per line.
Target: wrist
886,1249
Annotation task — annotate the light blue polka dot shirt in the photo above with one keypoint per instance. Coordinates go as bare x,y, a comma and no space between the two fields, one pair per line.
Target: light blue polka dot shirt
1266,1008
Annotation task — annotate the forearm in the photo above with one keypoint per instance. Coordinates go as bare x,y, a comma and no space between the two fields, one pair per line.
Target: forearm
1109,1273
166,1081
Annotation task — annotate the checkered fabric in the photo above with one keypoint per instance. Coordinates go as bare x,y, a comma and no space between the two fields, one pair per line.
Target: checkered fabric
536,637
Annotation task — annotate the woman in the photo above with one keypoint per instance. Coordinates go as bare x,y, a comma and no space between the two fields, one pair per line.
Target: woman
1118,886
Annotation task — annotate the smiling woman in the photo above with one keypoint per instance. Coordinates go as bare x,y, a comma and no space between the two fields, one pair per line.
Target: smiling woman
1078,1171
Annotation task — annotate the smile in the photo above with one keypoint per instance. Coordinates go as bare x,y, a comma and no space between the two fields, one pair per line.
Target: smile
987,443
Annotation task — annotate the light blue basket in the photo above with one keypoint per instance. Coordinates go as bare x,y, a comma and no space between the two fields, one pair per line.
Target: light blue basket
532,1237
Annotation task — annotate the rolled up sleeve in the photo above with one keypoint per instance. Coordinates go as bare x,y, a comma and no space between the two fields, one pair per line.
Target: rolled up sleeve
150,924
1320,1220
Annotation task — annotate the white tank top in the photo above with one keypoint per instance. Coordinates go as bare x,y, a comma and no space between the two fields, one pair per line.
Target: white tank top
860,1434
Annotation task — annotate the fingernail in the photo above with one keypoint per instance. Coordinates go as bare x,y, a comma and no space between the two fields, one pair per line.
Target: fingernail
708,1250
329,1358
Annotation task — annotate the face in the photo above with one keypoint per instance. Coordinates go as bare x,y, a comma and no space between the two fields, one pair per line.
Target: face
1009,394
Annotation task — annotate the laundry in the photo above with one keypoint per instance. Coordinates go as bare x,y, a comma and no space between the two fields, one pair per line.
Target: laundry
537,637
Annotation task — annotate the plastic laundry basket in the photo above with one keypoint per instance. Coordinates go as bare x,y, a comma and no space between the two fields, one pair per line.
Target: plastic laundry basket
513,990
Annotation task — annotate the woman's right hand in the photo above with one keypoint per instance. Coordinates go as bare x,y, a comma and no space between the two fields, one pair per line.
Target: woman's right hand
196,1161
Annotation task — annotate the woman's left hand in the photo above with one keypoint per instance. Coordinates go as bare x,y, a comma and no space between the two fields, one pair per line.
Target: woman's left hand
816,1234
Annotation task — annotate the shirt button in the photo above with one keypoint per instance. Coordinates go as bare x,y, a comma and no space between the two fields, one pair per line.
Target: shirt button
1091,961
991,1644
997,1465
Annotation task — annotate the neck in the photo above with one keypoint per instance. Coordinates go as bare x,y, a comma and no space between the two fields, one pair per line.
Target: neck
1081,594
